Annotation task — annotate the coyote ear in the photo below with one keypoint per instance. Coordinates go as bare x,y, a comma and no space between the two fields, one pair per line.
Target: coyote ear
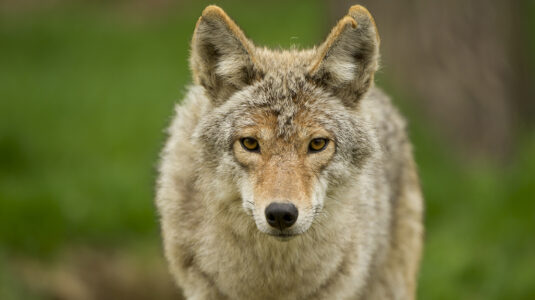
347,60
221,56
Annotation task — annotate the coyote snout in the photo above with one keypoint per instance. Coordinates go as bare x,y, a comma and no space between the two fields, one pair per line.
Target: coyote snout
282,205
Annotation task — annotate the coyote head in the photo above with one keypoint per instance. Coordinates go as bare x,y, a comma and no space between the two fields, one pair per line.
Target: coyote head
284,125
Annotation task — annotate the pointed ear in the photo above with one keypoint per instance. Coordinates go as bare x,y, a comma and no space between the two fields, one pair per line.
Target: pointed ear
346,62
222,58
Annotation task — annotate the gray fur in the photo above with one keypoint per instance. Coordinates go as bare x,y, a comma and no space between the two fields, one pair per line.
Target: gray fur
359,238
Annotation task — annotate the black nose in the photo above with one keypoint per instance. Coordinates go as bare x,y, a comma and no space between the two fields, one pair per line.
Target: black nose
281,215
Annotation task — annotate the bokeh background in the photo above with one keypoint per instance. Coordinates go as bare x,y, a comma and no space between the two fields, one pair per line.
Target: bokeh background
87,88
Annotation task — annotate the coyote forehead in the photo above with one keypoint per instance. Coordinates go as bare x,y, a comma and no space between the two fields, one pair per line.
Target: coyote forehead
288,108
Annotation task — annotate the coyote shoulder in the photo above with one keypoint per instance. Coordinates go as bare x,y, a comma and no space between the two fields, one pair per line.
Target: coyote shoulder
287,174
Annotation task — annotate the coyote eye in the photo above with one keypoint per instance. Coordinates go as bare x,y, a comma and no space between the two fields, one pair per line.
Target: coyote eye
317,145
250,144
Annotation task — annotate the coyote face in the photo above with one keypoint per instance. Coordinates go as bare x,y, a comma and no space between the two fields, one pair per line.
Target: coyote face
281,161
283,126
284,150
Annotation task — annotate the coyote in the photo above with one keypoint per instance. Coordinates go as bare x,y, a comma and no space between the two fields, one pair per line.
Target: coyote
287,174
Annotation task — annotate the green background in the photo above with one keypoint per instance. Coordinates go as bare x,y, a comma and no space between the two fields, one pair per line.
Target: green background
87,90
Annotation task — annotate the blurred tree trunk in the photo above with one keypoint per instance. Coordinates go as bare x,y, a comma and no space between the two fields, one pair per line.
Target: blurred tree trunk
465,61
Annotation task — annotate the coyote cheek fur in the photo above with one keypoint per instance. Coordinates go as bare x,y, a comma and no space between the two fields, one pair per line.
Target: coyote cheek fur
287,174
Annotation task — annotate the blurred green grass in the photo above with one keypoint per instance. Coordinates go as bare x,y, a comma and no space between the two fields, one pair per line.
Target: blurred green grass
85,93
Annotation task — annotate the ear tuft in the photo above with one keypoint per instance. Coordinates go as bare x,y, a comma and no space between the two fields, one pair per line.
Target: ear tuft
359,12
214,10
222,58
346,62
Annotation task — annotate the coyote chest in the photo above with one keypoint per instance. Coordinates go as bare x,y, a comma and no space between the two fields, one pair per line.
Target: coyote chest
261,269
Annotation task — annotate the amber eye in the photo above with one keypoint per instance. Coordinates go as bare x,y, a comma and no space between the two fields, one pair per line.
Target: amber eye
318,144
250,144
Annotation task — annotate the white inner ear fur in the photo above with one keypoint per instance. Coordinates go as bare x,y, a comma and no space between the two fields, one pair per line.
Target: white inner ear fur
342,69
230,65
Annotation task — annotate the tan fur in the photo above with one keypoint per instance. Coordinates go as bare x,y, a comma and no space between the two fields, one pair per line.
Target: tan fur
356,10
276,175
359,230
